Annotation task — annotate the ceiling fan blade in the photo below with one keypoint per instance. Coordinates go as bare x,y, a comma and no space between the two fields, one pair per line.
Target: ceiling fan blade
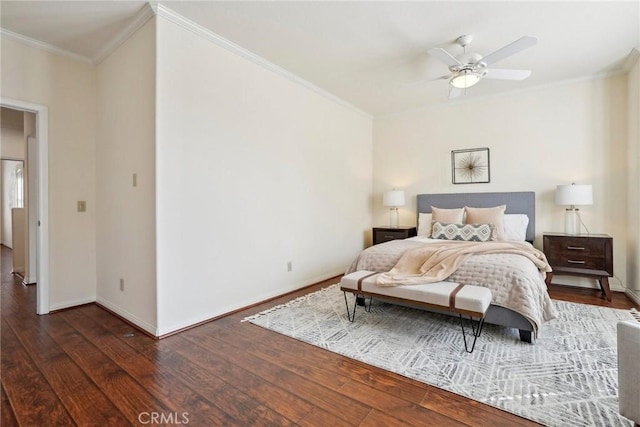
506,74
444,56
423,81
510,49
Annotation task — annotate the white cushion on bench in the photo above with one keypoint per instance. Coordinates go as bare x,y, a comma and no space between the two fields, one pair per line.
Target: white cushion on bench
470,298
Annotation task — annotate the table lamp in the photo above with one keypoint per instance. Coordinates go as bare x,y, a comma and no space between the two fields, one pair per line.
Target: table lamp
573,195
393,199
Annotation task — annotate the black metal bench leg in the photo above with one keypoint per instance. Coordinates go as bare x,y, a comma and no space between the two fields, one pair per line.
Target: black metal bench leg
367,308
475,330
358,298
526,336
350,316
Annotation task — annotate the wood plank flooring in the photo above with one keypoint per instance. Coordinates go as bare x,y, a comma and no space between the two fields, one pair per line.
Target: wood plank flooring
81,367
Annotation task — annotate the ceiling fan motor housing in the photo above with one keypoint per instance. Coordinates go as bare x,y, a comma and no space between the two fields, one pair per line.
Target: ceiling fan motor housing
464,40
468,59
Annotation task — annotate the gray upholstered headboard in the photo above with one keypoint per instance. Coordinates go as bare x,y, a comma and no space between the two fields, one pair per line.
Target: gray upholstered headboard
523,202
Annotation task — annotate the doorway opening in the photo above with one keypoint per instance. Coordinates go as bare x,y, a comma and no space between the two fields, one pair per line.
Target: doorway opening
13,231
36,214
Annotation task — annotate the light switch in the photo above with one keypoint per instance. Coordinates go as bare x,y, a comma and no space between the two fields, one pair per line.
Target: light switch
82,206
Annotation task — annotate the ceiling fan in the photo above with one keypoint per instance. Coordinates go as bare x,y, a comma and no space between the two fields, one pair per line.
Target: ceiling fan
468,69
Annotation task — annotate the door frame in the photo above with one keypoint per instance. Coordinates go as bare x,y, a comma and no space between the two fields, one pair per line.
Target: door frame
42,141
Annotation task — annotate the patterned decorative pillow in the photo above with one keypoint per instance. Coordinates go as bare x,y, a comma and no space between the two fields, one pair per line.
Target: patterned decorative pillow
467,232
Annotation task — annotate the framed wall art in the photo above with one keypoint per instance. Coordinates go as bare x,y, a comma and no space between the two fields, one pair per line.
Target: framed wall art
470,166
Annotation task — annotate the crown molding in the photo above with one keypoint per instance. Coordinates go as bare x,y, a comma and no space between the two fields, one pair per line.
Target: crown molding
145,13
141,17
209,35
10,35
632,58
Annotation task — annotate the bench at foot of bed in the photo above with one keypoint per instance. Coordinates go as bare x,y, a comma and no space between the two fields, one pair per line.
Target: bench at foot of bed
464,300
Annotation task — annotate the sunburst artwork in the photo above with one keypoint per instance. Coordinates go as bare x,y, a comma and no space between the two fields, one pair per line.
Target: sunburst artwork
470,166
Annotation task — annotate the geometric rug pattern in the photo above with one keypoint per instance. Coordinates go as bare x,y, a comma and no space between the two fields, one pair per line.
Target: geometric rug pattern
567,378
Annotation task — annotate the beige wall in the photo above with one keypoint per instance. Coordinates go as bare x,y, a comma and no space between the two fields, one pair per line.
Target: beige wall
126,146
68,89
253,171
12,145
633,235
573,132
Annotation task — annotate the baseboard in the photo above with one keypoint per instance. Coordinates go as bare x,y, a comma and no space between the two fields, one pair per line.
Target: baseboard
70,304
633,296
128,317
29,281
260,299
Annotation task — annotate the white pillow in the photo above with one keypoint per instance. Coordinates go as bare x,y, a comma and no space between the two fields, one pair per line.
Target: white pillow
515,227
424,224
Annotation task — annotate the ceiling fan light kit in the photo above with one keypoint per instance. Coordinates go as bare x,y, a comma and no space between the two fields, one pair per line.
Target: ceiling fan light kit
468,69
465,79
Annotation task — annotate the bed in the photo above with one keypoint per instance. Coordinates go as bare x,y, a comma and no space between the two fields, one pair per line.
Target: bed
507,308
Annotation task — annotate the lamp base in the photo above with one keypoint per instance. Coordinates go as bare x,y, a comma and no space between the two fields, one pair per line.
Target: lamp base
572,221
393,218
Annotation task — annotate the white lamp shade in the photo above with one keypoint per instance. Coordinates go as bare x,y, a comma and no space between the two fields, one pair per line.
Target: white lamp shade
574,195
393,198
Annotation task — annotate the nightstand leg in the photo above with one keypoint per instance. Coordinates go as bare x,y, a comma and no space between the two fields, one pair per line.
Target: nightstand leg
604,285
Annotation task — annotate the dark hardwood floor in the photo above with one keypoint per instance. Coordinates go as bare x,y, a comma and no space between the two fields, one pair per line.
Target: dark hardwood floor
84,366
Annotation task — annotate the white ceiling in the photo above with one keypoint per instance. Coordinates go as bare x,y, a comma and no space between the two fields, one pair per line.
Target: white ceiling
366,53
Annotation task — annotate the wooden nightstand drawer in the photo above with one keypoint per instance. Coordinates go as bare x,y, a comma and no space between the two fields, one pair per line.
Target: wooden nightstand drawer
386,234
581,262
577,247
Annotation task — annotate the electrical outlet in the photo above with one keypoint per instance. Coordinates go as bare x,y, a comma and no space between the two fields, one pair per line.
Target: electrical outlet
290,266
135,179
122,285
82,206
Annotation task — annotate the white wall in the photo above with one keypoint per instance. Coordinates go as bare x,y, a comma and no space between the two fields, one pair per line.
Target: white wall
633,265
126,146
574,132
253,171
68,88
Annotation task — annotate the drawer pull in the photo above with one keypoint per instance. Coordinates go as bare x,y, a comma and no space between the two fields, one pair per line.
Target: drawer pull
389,237
570,261
575,248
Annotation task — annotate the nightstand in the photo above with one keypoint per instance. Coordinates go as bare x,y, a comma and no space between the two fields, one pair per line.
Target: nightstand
385,234
580,255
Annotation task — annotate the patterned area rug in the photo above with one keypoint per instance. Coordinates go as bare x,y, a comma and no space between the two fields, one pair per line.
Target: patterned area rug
568,378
